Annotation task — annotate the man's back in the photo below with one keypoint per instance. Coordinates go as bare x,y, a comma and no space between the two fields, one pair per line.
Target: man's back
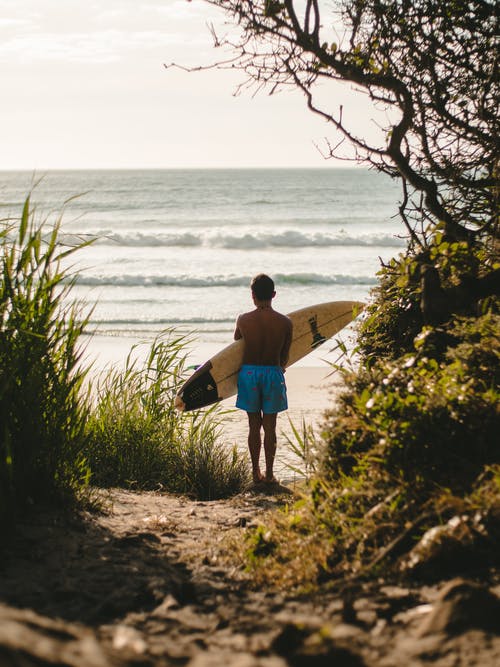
267,335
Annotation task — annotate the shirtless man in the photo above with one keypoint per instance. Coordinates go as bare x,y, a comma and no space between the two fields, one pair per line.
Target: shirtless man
261,382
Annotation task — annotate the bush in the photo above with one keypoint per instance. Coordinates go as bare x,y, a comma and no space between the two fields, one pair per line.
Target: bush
42,436
394,317
411,444
137,439
422,420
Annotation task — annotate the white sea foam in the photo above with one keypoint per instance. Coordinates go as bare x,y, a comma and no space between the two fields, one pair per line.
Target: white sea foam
164,321
185,281
247,241
139,239
180,246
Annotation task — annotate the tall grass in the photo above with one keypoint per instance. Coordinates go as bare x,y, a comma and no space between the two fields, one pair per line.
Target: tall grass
137,439
42,417
303,447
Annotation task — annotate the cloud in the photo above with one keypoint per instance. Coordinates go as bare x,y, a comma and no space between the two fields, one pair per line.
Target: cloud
84,31
174,10
9,23
102,47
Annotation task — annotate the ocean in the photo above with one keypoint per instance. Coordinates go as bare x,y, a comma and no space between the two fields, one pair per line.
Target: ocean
178,248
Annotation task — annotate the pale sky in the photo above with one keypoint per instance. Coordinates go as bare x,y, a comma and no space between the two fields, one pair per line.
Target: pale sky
83,86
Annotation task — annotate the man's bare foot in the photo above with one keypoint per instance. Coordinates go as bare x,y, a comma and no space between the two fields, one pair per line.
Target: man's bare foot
257,477
270,479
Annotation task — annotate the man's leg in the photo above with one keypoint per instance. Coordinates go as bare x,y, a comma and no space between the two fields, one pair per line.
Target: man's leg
255,443
269,424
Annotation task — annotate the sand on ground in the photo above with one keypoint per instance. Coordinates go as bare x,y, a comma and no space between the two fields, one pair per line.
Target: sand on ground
154,580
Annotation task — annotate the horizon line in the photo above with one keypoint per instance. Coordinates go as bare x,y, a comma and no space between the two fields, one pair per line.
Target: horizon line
184,168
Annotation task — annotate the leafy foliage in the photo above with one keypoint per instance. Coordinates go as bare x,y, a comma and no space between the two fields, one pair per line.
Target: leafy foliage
396,312
422,420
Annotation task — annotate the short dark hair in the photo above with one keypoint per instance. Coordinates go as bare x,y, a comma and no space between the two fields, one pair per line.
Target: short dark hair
262,287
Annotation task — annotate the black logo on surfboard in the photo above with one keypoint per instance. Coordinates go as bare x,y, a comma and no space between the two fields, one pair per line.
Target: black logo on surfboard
318,339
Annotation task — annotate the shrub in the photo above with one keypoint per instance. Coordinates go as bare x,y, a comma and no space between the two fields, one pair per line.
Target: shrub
394,316
411,444
42,419
422,420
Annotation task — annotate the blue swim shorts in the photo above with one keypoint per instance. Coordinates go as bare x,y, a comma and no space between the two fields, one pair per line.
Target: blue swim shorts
261,388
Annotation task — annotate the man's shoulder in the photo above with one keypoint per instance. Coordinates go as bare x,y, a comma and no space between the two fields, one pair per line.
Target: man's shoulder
245,316
284,317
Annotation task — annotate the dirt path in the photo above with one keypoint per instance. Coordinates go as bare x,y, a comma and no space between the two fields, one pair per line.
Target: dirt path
142,584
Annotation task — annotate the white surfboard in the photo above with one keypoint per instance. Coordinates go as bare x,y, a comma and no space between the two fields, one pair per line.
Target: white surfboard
217,378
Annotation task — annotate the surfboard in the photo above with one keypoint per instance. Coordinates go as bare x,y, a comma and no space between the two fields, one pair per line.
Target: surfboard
217,378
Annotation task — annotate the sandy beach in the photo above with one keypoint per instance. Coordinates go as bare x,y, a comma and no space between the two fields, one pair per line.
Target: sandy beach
310,387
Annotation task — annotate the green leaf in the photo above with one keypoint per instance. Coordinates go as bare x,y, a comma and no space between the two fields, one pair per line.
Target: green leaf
25,216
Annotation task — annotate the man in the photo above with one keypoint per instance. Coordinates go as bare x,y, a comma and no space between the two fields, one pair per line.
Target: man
261,382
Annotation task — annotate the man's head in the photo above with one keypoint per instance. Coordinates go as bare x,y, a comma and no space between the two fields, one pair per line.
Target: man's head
262,287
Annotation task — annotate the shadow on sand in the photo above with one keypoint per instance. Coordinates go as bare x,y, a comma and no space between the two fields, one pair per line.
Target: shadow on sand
78,571
270,489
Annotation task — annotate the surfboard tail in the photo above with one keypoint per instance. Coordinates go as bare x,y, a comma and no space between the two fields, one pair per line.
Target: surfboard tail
179,404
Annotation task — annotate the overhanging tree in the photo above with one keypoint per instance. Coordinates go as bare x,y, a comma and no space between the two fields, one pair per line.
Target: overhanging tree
429,69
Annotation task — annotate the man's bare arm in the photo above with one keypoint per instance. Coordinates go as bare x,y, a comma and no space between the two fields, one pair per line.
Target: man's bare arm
237,331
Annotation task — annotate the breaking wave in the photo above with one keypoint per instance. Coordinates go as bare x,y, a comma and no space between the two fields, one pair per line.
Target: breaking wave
220,281
247,241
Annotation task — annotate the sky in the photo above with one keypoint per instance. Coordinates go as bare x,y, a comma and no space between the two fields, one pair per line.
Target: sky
84,86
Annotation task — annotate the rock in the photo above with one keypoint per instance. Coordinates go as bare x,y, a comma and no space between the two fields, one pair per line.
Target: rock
223,658
29,640
460,606
306,647
126,637
445,549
